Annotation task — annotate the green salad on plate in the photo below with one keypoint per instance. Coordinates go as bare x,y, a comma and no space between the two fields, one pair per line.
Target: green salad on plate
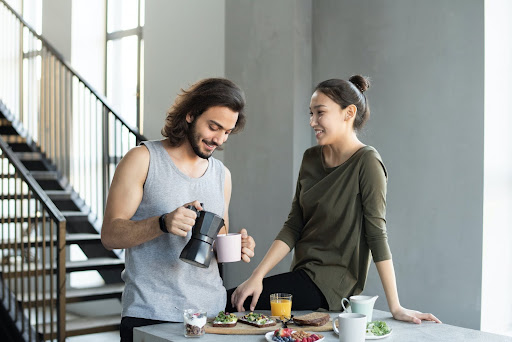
377,328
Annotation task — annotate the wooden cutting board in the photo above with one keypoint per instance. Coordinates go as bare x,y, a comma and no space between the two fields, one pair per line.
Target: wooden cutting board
245,329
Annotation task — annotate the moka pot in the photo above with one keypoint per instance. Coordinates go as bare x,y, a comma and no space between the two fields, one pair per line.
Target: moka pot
199,250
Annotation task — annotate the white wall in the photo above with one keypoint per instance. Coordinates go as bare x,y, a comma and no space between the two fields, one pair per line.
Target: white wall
88,41
427,64
183,42
497,239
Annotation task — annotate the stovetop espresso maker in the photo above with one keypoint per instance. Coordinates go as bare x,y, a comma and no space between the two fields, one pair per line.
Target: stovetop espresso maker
199,250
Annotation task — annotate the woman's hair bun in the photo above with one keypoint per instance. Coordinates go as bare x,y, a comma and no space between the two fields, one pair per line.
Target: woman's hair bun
361,82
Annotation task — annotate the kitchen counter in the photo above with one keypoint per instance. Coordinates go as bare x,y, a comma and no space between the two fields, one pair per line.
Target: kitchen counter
402,331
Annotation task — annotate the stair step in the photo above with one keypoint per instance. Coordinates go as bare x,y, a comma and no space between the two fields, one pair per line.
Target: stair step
8,130
59,195
34,156
87,325
20,147
71,266
45,175
76,238
5,122
10,139
81,238
94,264
94,293
74,295
73,216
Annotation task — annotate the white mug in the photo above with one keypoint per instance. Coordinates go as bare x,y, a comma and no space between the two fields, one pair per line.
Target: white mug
352,327
229,247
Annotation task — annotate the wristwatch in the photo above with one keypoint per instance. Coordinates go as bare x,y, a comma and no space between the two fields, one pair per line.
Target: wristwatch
163,227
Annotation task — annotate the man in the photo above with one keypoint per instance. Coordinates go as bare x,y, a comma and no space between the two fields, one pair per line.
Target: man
146,208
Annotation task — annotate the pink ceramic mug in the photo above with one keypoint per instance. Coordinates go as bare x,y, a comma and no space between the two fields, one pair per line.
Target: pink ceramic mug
229,247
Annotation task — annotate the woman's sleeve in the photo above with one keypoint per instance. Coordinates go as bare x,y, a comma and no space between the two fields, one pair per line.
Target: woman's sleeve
292,228
373,187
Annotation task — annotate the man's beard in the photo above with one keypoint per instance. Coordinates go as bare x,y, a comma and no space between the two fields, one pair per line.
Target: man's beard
195,140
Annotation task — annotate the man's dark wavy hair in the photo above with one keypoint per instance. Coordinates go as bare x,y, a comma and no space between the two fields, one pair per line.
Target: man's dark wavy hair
201,96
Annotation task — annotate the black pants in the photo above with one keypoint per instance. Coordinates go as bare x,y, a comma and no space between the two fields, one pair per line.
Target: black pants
128,323
306,295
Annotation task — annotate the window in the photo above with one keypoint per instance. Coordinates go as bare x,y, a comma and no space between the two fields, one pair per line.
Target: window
124,59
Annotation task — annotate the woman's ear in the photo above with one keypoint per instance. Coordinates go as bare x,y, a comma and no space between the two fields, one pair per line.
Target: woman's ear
189,118
350,112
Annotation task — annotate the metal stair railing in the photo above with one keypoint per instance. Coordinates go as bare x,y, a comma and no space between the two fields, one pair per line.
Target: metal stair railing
33,246
59,112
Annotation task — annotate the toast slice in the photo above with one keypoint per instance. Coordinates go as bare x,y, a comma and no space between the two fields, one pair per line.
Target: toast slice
257,320
224,325
316,319
225,320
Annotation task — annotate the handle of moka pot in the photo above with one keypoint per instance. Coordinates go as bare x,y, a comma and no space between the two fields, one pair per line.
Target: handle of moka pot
191,207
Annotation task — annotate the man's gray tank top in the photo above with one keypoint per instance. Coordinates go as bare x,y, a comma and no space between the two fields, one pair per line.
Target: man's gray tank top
157,281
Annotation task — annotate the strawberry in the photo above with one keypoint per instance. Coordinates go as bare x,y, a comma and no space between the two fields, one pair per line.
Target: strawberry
286,332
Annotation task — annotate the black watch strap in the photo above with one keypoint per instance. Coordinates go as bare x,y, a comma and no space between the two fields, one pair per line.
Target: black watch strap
163,227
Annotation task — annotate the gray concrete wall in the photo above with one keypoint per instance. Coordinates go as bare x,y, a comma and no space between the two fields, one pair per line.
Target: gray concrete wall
426,59
268,53
56,26
183,42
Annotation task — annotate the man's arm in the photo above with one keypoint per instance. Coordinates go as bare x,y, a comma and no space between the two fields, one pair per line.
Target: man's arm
124,197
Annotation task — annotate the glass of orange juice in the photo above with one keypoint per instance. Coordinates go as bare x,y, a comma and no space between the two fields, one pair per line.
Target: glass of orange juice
281,305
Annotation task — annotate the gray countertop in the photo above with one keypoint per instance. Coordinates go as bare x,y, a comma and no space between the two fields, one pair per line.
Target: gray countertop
402,331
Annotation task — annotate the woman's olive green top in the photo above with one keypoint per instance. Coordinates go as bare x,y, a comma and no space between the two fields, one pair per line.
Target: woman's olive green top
338,216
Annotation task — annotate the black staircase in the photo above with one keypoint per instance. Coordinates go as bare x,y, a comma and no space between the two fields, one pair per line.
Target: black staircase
59,145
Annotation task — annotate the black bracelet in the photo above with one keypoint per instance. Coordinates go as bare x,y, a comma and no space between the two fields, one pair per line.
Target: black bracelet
163,227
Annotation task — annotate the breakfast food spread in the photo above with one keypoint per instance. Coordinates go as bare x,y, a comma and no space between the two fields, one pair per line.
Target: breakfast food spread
225,320
194,323
257,320
316,319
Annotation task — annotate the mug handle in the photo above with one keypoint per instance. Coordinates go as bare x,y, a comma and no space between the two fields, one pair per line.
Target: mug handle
343,305
334,327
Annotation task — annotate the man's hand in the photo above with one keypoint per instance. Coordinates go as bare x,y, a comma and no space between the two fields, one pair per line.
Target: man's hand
180,221
248,245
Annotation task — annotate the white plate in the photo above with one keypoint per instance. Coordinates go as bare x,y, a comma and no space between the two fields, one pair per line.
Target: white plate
270,334
370,336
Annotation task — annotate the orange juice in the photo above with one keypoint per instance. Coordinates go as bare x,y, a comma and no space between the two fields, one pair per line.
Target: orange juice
281,308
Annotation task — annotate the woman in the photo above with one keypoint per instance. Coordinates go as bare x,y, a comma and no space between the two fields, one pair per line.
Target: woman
337,216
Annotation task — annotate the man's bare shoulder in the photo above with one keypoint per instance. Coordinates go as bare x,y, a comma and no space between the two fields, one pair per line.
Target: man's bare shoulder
135,163
139,153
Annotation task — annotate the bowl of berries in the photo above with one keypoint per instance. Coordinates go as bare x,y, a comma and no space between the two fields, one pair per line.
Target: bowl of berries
290,335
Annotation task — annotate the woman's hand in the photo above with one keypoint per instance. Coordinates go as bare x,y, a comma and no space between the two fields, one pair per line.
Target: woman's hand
251,287
248,245
403,314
